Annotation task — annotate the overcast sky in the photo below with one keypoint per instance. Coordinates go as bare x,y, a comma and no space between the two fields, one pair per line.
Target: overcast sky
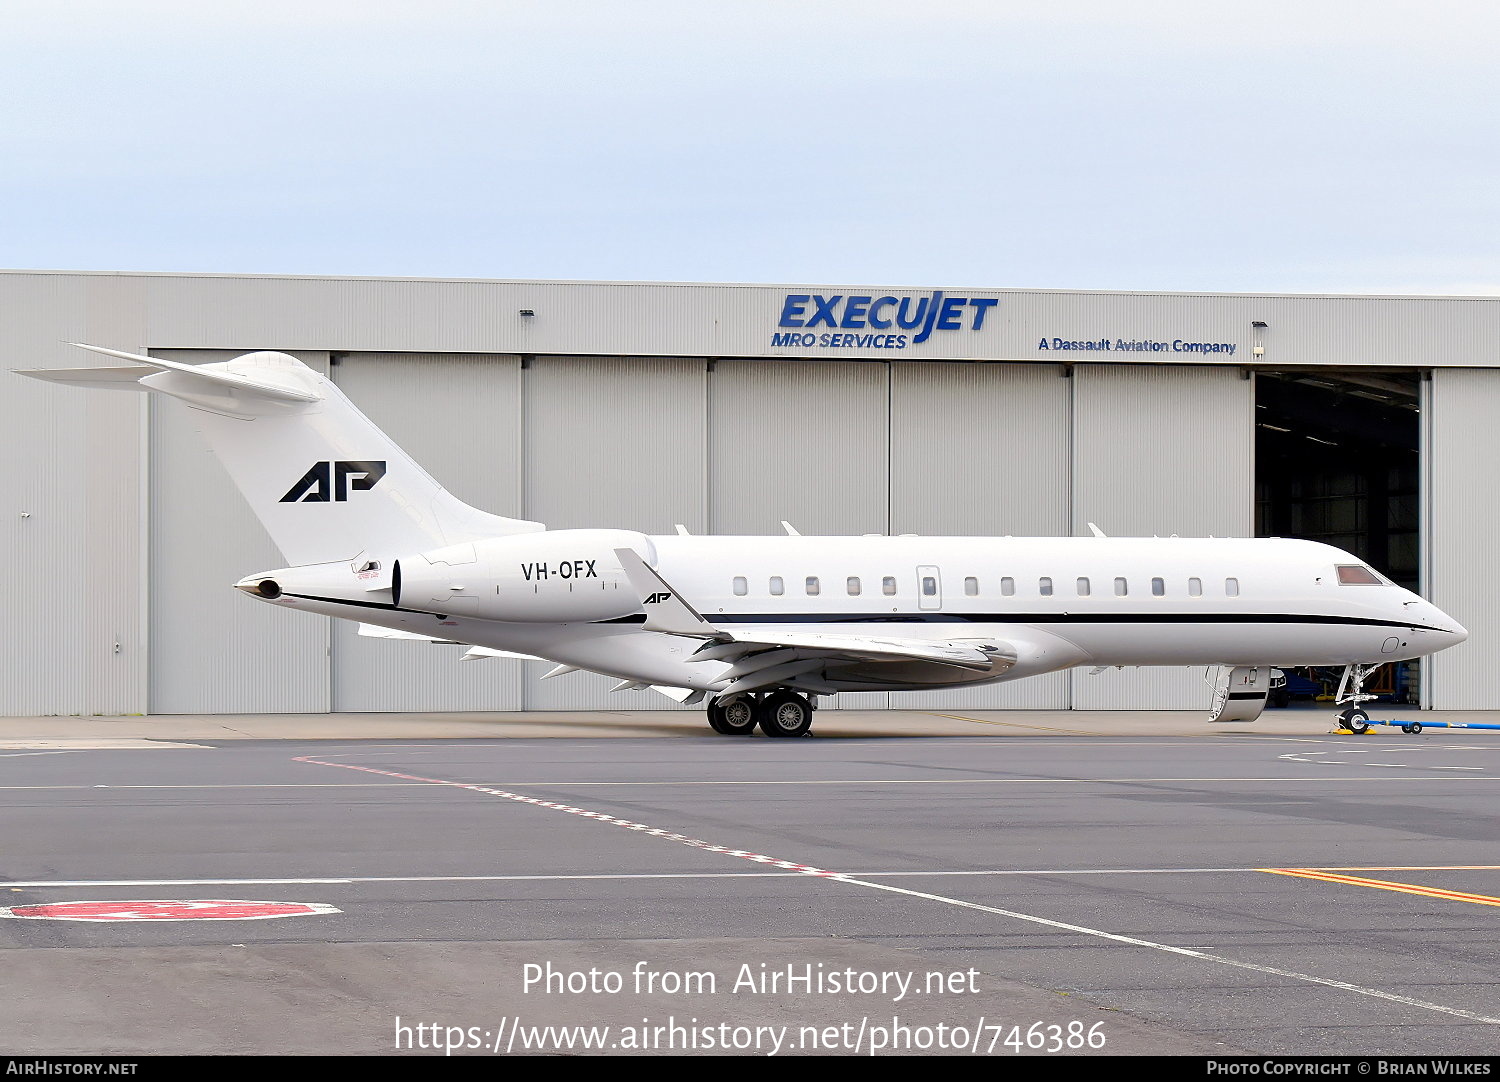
1277,145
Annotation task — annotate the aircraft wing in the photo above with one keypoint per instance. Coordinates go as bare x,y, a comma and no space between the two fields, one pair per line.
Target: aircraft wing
474,653
812,660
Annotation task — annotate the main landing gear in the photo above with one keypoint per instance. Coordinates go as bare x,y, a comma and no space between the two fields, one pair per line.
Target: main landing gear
1351,690
780,713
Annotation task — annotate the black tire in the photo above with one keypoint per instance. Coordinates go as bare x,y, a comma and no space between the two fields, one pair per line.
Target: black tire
1416,727
737,716
716,718
1356,721
785,715
1406,728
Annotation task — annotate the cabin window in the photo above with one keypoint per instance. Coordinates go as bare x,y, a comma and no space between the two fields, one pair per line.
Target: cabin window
1044,587
1121,587
776,586
741,587
971,586
1231,587
1195,587
853,585
813,589
929,586
888,586
1008,586
1356,575
1158,588
1083,587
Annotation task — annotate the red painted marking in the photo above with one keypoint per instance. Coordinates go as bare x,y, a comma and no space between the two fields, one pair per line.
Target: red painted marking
174,909
655,832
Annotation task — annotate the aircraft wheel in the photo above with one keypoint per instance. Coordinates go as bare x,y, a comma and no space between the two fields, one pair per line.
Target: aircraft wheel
716,718
1355,720
785,714
737,716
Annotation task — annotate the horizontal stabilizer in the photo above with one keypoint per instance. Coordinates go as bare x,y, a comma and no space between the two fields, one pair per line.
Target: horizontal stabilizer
108,379
212,379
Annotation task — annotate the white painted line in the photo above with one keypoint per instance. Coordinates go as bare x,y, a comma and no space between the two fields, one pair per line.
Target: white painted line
128,743
44,884
892,888
18,754
569,784
231,785
354,880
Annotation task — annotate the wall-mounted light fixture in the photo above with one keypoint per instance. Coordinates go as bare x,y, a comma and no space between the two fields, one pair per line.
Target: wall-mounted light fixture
527,312
1258,326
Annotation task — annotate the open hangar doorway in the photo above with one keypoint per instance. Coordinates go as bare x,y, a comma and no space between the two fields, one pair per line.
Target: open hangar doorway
1338,460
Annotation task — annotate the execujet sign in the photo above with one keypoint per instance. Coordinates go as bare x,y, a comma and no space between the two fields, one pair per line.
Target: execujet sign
1106,344
841,321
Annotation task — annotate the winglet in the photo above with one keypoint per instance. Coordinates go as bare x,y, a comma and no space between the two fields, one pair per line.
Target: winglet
665,610
1097,532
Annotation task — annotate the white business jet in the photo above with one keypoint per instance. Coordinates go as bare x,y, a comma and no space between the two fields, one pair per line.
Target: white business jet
758,627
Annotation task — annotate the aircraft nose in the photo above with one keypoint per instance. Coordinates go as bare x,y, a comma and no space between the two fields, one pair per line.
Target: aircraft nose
1454,628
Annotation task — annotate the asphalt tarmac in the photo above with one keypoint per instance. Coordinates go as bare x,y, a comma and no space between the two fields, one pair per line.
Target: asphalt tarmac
1013,887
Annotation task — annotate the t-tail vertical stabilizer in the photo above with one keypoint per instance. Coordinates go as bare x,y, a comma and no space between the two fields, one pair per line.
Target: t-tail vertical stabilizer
290,439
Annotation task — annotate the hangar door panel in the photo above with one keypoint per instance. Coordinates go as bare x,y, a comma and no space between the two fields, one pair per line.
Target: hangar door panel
1461,445
458,416
612,442
1160,450
804,441
214,650
981,450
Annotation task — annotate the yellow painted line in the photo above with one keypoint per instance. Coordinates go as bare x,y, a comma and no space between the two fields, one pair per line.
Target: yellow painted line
1017,725
1381,884
1408,868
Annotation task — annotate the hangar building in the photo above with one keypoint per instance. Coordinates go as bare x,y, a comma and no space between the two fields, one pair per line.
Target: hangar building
1366,422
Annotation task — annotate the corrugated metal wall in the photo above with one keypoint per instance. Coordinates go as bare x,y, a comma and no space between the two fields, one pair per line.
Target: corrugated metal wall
1160,451
73,608
1461,445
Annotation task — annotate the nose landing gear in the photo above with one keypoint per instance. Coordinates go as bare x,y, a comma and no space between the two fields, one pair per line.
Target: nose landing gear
1351,690
782,714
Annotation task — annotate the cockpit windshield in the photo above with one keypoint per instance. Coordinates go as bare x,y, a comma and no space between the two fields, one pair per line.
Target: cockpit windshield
1357,575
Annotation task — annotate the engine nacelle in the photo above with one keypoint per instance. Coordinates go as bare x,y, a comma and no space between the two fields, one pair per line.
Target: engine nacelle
557,576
